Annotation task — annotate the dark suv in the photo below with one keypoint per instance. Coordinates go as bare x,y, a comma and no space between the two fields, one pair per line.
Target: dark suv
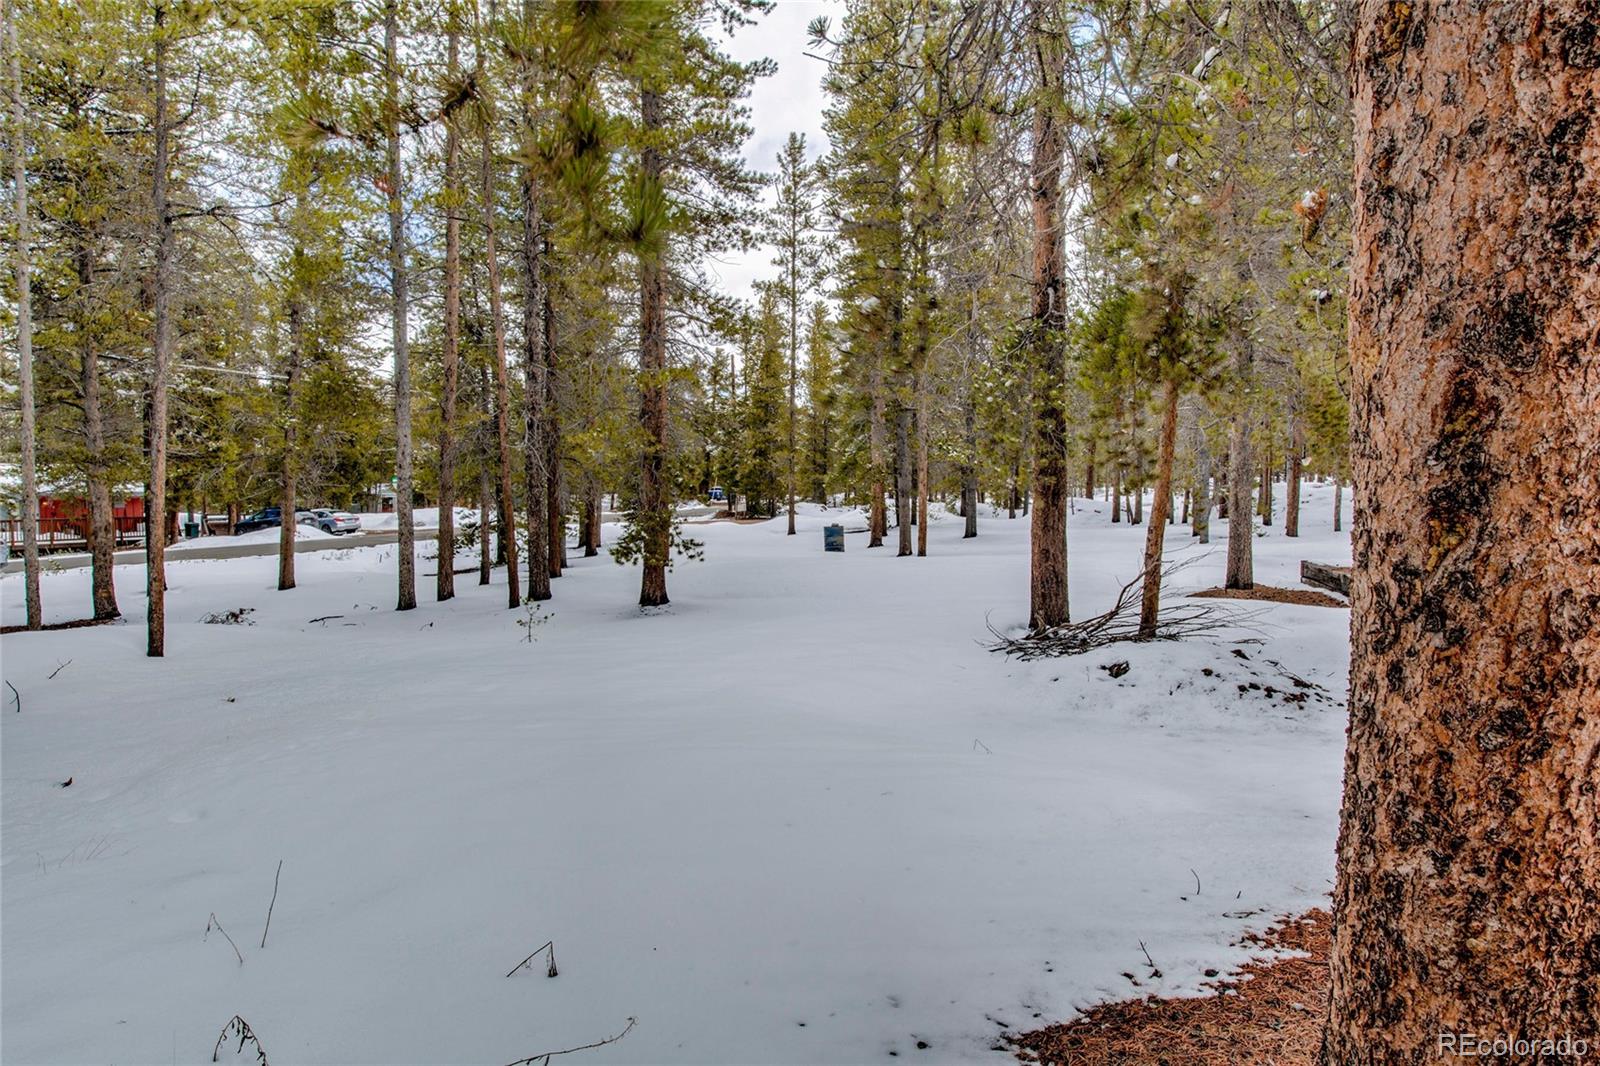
266,518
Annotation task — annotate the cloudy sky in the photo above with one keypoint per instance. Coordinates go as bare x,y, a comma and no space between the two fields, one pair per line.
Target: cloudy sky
790,100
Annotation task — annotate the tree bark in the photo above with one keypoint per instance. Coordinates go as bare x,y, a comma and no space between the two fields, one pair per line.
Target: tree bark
1241,542
794,359
406,548
1048,532
1291,505
497,325
555,515
1469,850
1160,508
534,389
30,483
591,521
878,521
287,527
445,585
1338,505
485,556
155,529
969,468
902,476
1201,515
654,506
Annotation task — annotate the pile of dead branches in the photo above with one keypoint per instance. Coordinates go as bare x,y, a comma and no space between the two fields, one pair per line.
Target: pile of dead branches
1179,620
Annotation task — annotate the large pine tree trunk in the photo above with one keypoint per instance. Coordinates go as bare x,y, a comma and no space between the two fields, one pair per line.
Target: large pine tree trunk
155,528
1201,514
1469,850
406,548
554,514
1048,533
1265,503
878,521
591,520
445,584
536,483
485,551
1338,505
1291,506
288,527
1160,509
902,476
655,509
506,506
1241,528
794,364
30,484
969,467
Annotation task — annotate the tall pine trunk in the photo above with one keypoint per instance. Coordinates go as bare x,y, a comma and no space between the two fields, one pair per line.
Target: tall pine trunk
878,521
902,476
1291,506
445,585
1048,532
555,514
155,526
505,504
1469,849
1201,514
30,484
1160,509
654,506
1338,505
288,527
969,465
535,481
591,520
1241,528
794,362
406,548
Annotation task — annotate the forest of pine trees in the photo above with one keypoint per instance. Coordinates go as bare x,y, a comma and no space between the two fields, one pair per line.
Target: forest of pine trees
465,246
1162,256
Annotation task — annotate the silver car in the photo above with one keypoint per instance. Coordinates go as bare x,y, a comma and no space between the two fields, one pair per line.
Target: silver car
331,521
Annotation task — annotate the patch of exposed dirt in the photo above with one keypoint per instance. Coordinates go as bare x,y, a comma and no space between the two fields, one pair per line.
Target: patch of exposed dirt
1303,597
1270,1013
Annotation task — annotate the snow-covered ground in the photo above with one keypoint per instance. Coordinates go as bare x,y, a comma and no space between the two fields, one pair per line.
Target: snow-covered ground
268,536
802,815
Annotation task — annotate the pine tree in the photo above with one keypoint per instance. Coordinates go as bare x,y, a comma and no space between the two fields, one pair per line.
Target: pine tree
26,430
799,260
822,399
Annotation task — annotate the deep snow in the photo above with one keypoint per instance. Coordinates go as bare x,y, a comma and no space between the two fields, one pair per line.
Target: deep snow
802,815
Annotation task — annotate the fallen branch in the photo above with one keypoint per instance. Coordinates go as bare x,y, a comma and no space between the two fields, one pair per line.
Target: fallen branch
17,694
1177,621
238,1025
214,924
550,969
58,669
273,904
325,619
545,1056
